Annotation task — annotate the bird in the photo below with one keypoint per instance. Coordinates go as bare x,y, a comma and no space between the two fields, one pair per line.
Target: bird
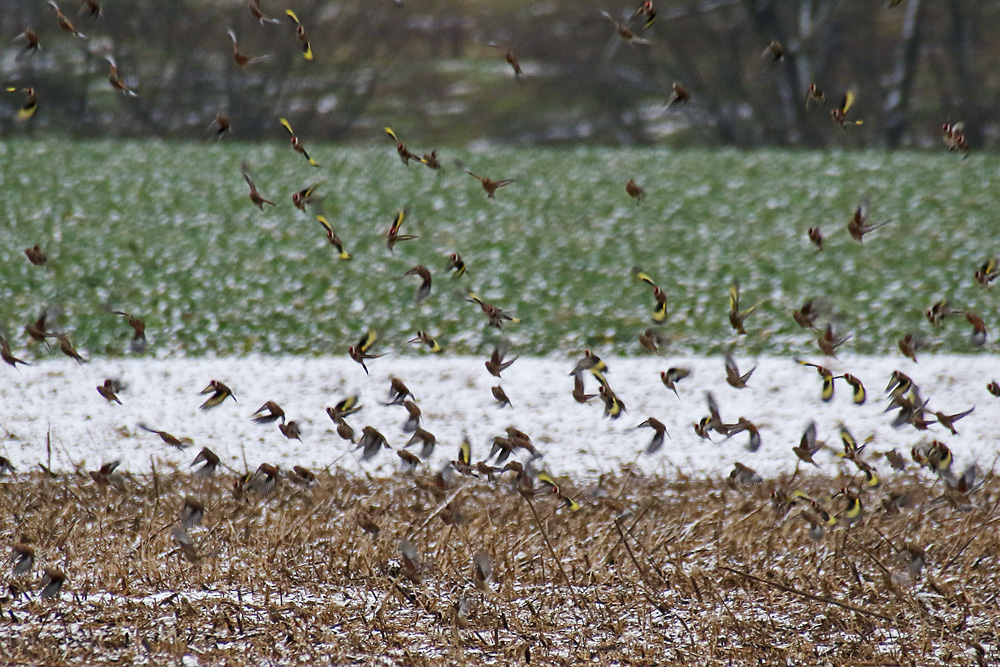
36,330
828,380
424,274
428,340
651,340
579,395
814,96
427,440
742,475
255,11
624,32
267,413
987,272
220,125
839,115
678,95
300,34
117,81
659,431
496,363
614,407
107,390
672,376
807,314
511,60
6,466
774,52
816,237
64,22
411,565
948,421
7,356
392,236
305,197
264,480
413,417
978,336
398,392
938,311
409,460
31,41
192,513
854,510
22,556
659,296
737,316
489,185
858,225
828,342
219,393
371,443
456,263
106,476
66,347
645,12
333,238
743,424
30,106
171,440
908,346
344,408
859,395
634,191
35,255
239,57
482,572
404,154
91,7
211,461
430,160
994,388
494,315
290,430
501,396
255,196
52,582
808,445
359,351
733,377
297,143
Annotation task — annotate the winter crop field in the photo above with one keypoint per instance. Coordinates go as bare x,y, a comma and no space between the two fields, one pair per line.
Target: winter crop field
168,231
607,547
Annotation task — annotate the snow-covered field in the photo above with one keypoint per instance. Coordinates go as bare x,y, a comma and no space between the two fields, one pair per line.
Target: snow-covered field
454,393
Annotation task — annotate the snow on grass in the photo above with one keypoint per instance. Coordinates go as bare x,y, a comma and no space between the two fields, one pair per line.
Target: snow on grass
454,394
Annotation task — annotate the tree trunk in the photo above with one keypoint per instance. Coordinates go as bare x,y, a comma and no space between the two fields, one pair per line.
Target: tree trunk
897,101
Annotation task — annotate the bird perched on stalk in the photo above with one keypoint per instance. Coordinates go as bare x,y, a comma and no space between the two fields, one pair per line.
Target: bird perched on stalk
220,393
489,185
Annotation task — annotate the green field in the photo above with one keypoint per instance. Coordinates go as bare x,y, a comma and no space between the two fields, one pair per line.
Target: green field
168,232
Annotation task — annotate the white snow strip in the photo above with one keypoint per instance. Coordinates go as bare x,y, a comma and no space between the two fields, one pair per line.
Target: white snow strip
454,394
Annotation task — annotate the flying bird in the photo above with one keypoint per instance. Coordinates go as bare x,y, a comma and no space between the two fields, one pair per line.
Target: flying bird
489,185
300,34
219,393
296,142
